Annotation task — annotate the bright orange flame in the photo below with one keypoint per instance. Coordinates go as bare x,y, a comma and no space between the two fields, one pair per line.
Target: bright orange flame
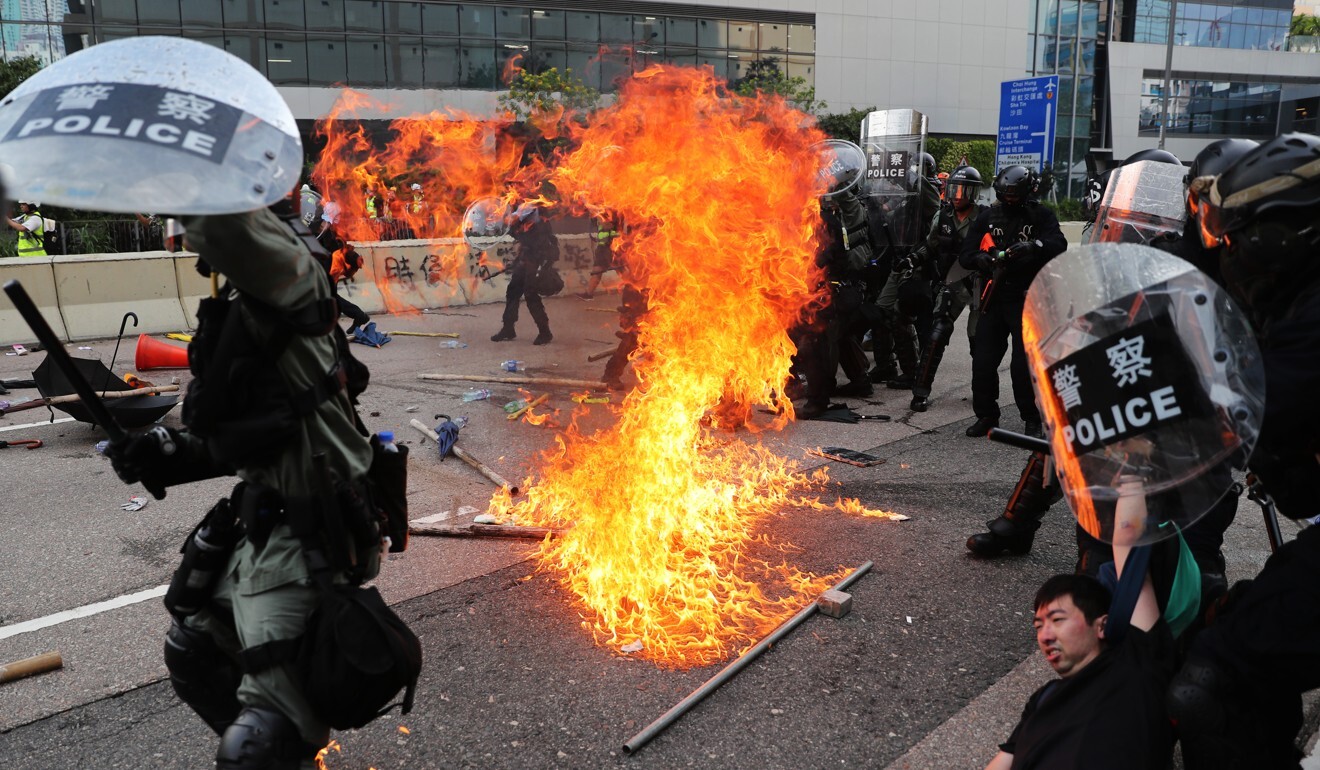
321,755
454,157
719,193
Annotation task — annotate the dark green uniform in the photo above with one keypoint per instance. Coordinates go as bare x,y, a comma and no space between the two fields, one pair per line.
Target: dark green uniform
268,590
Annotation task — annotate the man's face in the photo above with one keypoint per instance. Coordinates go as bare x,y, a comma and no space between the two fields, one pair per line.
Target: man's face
1063,635
24,208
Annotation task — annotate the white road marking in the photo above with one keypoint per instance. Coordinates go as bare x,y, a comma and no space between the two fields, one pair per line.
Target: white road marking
36,424
81,612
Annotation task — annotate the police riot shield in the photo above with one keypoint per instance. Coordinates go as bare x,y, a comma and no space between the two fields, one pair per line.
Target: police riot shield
893,141
486,223
842,165
1148,377
1141,201
160,124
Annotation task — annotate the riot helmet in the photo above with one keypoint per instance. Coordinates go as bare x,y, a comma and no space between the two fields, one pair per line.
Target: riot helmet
1159,156
928,166
1265,210
1215,159
1014,184
151,124
962,187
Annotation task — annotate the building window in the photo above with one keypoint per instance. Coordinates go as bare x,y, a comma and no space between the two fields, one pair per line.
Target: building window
1215,108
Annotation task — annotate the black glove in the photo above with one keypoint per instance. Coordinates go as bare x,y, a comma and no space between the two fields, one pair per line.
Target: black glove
1022,249
161,457
984,261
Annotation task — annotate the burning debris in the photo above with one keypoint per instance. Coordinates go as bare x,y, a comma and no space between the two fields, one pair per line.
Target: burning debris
719,193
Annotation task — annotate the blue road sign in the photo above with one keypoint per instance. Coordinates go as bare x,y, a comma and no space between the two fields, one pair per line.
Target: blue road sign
1027,117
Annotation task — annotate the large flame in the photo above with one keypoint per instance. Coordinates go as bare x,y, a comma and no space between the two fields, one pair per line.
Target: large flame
454,157
718,194
719,197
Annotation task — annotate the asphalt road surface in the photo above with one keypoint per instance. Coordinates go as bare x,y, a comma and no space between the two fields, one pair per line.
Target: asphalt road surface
930,669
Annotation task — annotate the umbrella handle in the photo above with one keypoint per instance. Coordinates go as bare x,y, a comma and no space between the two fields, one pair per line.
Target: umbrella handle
56,352
122,324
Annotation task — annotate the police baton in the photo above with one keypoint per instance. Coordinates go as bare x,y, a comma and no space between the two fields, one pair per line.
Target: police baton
55,350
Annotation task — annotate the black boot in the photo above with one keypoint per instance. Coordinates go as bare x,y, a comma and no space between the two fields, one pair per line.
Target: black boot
543,338
503,335
1015,530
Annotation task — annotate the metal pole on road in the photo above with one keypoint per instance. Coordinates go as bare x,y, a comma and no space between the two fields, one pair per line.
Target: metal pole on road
655,728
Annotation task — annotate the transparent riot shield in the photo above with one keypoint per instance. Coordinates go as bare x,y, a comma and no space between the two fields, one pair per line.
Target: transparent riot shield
842,166
1147,376
162,124
1141,201
485,223
893,141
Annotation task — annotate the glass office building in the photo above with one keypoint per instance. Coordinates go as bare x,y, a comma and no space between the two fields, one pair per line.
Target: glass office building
386,44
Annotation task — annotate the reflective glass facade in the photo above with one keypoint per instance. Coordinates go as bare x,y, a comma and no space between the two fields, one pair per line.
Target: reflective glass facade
381,43
1066,37
1252,25
1212,107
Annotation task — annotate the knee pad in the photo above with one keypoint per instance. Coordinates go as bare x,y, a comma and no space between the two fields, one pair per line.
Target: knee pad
262,739
1196,697
203,676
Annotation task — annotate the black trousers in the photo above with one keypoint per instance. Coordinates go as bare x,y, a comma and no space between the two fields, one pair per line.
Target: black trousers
998,329
354,312
519,276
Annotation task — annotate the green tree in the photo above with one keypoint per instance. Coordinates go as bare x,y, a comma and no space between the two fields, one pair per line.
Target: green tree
765,77
938,147
15,71
1304,26
980,154
844,125
544,92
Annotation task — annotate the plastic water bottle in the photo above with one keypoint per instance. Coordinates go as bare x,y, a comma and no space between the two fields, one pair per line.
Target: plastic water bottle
477,395
512,366
515,405
453,344
387,442
460,421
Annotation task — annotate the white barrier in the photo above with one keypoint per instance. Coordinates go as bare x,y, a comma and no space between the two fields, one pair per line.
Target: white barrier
38,278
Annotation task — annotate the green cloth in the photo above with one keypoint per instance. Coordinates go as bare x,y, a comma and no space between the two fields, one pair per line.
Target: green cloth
1184,603
268,590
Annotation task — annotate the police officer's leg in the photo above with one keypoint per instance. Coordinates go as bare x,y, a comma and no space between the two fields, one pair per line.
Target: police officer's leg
351,310
276,728
947,308
965,291
1019,369
512,296
819,363
882,340
536,309
992,333
1015,529
203,674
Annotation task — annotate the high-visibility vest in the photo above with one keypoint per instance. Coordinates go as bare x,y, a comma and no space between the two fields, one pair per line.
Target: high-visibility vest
33,244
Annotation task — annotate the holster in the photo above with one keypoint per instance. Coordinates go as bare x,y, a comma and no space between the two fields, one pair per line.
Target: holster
206,553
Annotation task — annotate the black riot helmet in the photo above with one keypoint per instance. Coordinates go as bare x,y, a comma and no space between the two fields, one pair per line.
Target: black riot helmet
928,166
962,186
1014,184
1265,210
1159,156
1215,159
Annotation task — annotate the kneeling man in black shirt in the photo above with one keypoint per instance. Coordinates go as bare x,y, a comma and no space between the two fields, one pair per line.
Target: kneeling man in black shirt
1106,709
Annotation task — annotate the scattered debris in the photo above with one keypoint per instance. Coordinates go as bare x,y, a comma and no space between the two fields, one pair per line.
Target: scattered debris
19,350
30,443
412,409
39,664
485,530
632,646
135,503
485,518
860,459
834,603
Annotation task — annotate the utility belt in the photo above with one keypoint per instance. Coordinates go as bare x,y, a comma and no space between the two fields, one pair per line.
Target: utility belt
341,527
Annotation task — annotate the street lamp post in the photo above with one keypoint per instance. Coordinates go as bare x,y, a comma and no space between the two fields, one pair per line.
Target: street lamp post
1168,72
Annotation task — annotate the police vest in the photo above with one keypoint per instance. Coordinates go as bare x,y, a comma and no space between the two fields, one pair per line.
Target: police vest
33,244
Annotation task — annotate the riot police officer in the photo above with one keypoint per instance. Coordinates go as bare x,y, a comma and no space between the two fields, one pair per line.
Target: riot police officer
940,254
273,388
1007,245
1237,700
537,247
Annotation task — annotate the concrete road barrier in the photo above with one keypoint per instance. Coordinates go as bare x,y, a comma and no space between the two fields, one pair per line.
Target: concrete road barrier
96,291
37,275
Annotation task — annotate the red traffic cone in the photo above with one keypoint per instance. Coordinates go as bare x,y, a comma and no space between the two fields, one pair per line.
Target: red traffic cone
154,354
